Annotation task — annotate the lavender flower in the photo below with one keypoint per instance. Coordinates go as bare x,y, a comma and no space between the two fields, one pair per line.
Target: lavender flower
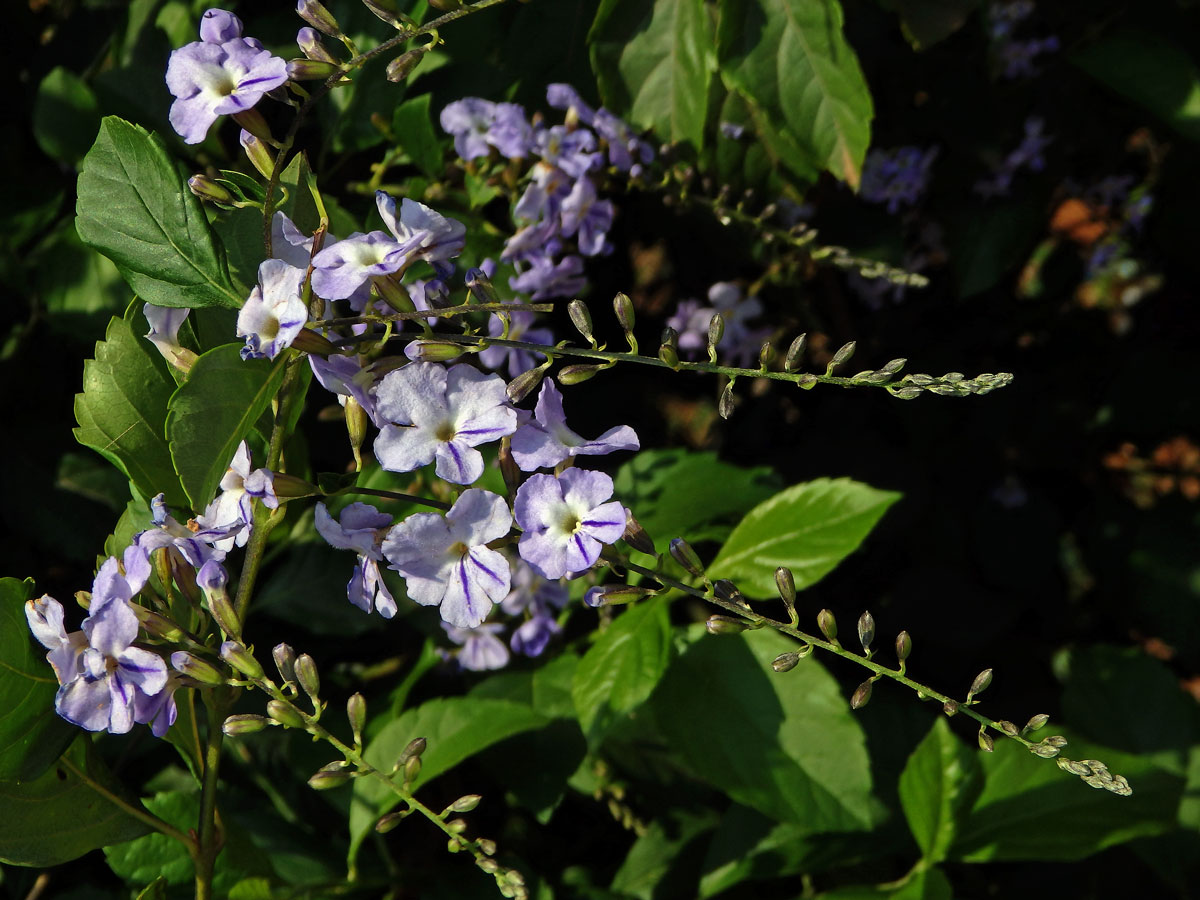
732,130
275,312
1028,154
437,413
566,521
481,649
588,217
896,177
164,334
538,598
546,278
196,546
221,74
346,376
445,561
233,509
626,151
547,441
518,330
570,151
342,269
361,528
469,120
1018,58
740,344
563,96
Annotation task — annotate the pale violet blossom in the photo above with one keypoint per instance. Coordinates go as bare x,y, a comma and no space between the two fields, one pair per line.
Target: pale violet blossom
546,441
360,528
566,520
275,312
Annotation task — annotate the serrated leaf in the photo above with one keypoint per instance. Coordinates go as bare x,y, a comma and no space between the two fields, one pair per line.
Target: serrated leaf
937,786
622,668
122,410
58,817
809,99
655,64
785,745
213,411
809,528
414,130
135,207
455,727
32,736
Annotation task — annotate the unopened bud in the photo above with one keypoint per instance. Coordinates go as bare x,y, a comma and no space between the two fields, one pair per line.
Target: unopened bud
328,778
481,286
412,750
727,591
385,10
1045,751
724,625
252,120
979,685
862,695
785,583
306,675
289,487
490,866
843,355
402,66
716,331
236,726
393,293
524,384
486,846
828,625
316,15
893,366
903,646
285,714
285,662
623,308
195,668
785,662
356,713
242,660
358,424
986,742
258,153
581,318
463,804
207,189
1008,728
668,353
456,826
578,374
614,595
795,354
158,625
766,354
412,768
866,631
1055,740
636,537
726,403
433,351
509,470
1035,723
310,45
682,553
391,820
311,69
950,707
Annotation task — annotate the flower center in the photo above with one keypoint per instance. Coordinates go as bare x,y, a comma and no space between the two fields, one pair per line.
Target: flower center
270,329
569,523
445,431
459,549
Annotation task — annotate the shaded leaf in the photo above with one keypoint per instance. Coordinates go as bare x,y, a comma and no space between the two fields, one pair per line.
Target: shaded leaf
414,130
937,787
66,116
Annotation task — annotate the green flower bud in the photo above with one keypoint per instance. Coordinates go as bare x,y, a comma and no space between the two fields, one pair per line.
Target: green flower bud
207,189
242,660
402,66
285,662
786,585
328,778
356,713
843,355
726,403
623,308
197,669
316,15
866,631
682,553
795,354
903,646
412,750
463,804
578,374
828,625
525,384
716,331
1035,723
785,662
979,685
311,69
236,726
581,319
986,742
862,695
724,625
434,351
637,538
285,714
391,820
306,675
308,341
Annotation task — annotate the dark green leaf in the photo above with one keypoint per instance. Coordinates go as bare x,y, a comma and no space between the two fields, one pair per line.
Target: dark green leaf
655,64
123,408
479,192
622,668
135,207
937,787
59,817
213,411
65,116
809,527
926,22
659,850
297,180
414,131
988,244
802,81
32,736
786,745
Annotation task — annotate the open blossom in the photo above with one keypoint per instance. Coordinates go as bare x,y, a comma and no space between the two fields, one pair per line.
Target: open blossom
741,343
547,441
361,528
164,334
481,649
537,598
275,312
897,177
233,511
221,74
566,520
197,546
445,561
443,414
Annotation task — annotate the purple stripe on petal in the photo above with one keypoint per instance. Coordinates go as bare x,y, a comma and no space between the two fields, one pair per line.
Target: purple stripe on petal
594,523
466,587
578,538
492,575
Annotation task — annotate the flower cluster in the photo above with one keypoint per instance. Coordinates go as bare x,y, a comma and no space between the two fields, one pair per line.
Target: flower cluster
1027,155
897,177
740,344
1016,57
561,202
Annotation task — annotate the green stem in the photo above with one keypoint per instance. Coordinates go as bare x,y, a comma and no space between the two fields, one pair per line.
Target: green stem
209,841
138,813
396,495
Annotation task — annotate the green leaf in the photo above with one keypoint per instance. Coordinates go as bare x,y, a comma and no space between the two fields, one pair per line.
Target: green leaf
123,408
456,728
1030,809
655,64
213,411
987,244
66,116
622,668
807,93
414,130
32,736
299,205
135,207
1150,69
937,786
59,817
479,192
809,527
661,849
926,22
784,745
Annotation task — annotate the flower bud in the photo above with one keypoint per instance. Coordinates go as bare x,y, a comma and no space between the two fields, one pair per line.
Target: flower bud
950,707
357,428
402,66
310,45
903,646
614,595
724,625
306,675
456,826
716,331
258,153
682,553
433,351
207,189
285,662
328,778
1055,740
412,768
668,350
766,354
252,120
236,726
1045,751
242,660
356,713
309,341
285,714
795,354
385,10
725,404
1035,723
224,614
158,625
316,15
623,308
509,470
986,742
578,374
581,319
195,668
727,591
524,384
786,585
866,631
486,846
843,355
862,695
393,293
391,820
490,866
311,69
979,685
481,286
785,662
412,750
463,804
828,625
636,537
